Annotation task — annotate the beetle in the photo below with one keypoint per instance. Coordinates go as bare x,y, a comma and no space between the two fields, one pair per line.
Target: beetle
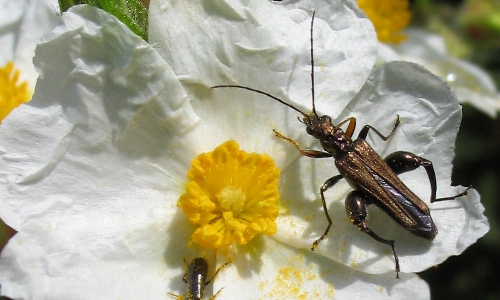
373,179
196,279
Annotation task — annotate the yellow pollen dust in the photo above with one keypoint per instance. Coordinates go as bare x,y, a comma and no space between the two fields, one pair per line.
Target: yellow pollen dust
12,92
389,17
231,195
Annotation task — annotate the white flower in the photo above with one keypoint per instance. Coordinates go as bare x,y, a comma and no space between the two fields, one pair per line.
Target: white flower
91,169
471,83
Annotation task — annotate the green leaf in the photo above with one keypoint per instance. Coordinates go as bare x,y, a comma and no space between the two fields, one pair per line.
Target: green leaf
132,13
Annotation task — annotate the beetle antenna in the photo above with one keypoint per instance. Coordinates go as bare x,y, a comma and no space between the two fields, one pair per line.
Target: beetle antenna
263,93
312,66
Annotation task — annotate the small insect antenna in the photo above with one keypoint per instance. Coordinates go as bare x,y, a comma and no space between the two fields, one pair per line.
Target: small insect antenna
263,93
312,66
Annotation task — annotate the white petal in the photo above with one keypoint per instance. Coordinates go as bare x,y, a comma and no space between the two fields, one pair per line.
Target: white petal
281,272
23,23
33,141
91,105
89,256
85,174
430,117
267,46
268,49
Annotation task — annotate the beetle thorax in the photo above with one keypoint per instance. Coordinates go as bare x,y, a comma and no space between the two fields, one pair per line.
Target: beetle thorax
336,142
333,139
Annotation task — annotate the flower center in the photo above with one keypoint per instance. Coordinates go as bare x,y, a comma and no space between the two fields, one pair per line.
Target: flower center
232,195
12,93
231,198
389,17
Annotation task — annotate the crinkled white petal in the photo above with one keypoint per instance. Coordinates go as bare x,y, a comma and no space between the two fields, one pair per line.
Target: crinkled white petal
85,177
430,116
22,24
94,114
89,255
266,46
471,84
281,272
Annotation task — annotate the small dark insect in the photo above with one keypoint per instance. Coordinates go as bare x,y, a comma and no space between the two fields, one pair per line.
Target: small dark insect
196,279
374,179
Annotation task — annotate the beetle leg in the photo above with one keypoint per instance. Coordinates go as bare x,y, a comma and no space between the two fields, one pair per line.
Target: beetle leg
464,193
184,278
215,295
206,283
175,295
303,152
350,127
356,208
403,161
328,184
364,131
216,272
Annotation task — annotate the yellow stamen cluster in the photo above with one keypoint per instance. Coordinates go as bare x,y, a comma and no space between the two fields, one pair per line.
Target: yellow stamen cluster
232,195
12,93
389,17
